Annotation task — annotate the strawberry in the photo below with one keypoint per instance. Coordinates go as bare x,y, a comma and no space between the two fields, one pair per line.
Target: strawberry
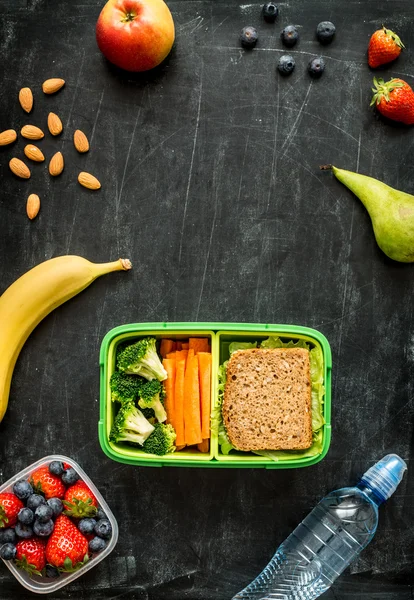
49,485
79,501
384,46
9,509
30,555
394,100
67,548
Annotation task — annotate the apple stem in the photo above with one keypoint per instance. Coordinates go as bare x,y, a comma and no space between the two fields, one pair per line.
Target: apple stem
129,16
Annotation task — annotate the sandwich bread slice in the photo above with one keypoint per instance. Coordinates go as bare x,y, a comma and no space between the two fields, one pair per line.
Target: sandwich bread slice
267,399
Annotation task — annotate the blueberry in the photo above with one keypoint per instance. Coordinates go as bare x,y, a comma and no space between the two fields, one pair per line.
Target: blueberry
103,528
316,67
286,64
7,536
248,37
22,489
56,505
8,551
43,513
87,526
270,11
100,514
69,476
25,532
52,572
26,516
289,35
43,529
56,467
97,544
325,32
34,501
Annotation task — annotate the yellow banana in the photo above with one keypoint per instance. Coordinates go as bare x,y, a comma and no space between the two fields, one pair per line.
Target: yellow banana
33,296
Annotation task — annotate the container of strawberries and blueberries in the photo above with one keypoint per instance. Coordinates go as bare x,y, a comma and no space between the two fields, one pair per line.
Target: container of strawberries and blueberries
54,524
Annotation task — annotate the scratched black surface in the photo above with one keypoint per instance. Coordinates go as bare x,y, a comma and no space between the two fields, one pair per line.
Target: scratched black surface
210,184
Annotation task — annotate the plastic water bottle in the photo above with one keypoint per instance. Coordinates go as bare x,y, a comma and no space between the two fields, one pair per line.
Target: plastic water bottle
329,538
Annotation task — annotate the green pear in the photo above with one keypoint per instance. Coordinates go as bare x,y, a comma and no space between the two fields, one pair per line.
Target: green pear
391,212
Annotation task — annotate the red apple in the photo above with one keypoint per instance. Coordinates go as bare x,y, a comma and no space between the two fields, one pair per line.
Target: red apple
135,35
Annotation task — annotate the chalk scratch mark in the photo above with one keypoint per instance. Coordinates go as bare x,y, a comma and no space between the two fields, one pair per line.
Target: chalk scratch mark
149,154
75,95
96,118
121,189
219,25
210,242
190,172
273,173
293,130
282,51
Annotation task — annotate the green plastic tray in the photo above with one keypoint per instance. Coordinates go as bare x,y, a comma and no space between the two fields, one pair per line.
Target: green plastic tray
220,334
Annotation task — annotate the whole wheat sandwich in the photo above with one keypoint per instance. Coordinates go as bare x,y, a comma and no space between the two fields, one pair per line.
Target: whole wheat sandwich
267,399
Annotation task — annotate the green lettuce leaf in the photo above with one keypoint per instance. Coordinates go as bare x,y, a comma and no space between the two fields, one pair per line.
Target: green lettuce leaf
234,346
318,392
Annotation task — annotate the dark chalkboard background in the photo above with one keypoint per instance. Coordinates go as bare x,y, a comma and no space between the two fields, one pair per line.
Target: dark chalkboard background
210,184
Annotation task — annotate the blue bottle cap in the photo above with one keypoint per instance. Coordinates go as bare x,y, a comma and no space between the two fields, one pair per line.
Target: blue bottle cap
385,476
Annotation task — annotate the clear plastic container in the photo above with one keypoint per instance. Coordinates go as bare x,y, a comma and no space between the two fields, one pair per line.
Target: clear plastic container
42,585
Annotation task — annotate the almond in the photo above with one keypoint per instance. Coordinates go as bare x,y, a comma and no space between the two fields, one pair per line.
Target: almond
34,153
31,132
7,137
88,181
26,99
32,206
51,86
81,141
56,164
54,124
18,167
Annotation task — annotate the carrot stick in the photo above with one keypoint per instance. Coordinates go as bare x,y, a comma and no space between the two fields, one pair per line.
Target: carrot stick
178,345
171,355
192,415
204,446
185,345
166,347
199,344
181,354
169,385
204,365
179,400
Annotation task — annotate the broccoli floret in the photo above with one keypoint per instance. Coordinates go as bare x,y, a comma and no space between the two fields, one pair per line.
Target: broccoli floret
125,388
150,396
142,359
130,425
161,441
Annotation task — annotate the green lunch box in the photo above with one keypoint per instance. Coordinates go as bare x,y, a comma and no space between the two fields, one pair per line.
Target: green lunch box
220,335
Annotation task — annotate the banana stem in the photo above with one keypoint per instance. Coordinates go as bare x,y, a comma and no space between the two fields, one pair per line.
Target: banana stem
123,264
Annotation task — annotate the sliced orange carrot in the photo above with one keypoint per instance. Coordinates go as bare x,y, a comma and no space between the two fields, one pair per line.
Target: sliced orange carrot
171,355
174,347
181,354
179,400
166,347
185,345
192,414
204,446
169,386
199,344
178,345
204,365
